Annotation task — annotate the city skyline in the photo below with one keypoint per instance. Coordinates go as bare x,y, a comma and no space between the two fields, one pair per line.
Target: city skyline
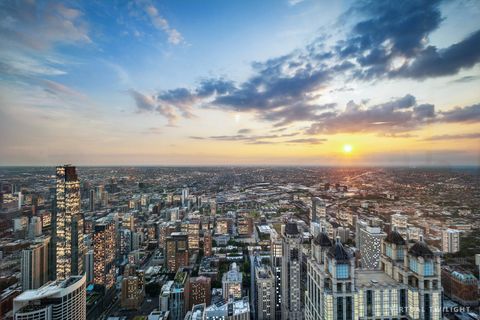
240,83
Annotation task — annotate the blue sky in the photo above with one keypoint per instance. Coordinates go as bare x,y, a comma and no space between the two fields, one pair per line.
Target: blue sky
240,82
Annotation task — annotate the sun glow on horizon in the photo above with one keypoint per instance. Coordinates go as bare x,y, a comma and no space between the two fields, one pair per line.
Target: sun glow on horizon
347,148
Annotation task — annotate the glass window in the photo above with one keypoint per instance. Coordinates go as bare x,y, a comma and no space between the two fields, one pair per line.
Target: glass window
428,268
342,271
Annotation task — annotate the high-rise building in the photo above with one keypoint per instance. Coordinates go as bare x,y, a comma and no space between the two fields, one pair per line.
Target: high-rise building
292,299
91,200
59,300
224,226
232,283
184,196
265,292
207,243
192,228
104,249
174,296
133,288
418,271
369,239
89,266
68,230
276,259
245,226
199,291
35,227
450,241
319,210
176,253
34,264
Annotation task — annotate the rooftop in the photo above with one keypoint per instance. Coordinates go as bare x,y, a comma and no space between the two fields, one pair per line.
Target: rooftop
372,278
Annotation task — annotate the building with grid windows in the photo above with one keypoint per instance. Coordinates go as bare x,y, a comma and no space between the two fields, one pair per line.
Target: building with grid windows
292,296
59,300
407,286
68,224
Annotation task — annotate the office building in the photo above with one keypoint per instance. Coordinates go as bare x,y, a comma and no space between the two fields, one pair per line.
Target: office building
176,253
91,200
450,241
207,243
34,264
174,296
319,210
276,252
68,224
199,291
369,239
104,250
133,288
232,283
292,295
265,292
59,300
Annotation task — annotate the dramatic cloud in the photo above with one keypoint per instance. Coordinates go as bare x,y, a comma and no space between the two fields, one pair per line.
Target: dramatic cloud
432,62
388,39
397,115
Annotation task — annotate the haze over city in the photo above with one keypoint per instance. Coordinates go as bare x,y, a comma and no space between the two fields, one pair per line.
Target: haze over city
240,83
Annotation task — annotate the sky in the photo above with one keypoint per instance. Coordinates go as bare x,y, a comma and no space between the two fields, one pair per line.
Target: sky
214,82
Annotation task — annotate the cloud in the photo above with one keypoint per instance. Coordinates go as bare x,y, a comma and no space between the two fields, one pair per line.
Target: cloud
397,115
244,131
160,23
149,103
387,39
260,139
466,79
36,26
453,137
462,114
432,62
391,40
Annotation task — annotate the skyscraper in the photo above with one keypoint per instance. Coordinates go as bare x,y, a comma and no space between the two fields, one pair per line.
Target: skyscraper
319,210
369,239
276,258
59,300
265,285
176,253
450,241
291,273
104,249
68,236
34,264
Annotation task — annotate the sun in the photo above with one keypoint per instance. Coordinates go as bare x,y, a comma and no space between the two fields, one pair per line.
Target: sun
347,148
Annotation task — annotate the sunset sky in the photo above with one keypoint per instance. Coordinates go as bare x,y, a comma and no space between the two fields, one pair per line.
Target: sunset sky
240,82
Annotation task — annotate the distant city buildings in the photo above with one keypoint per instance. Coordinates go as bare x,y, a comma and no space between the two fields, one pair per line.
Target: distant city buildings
450,241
